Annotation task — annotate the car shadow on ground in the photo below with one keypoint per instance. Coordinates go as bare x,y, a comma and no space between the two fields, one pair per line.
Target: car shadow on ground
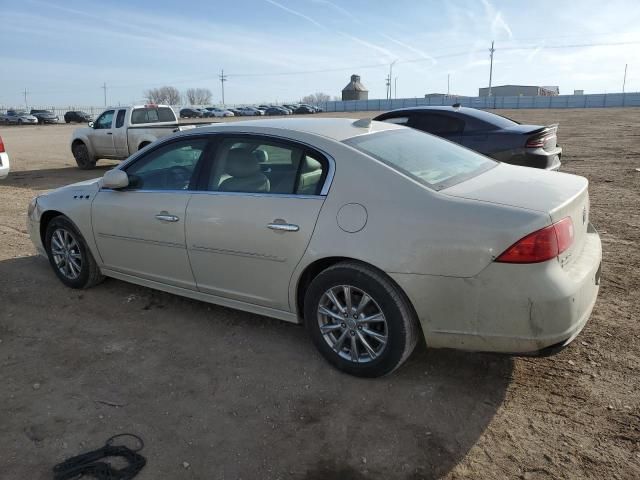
230,393
49,178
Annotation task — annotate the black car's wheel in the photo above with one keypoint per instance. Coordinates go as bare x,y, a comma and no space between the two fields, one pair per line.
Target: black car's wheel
82,156
20,122
69,255
360,320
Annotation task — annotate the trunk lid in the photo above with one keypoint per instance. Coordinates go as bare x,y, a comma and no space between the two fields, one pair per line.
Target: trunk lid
557,194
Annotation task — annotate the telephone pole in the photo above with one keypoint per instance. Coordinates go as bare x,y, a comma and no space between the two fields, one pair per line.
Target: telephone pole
223,79
104,87
26,104
491,50
448,78
395,88
388,84
624,80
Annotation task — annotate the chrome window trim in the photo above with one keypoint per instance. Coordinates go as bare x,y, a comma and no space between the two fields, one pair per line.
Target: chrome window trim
230,194
185,134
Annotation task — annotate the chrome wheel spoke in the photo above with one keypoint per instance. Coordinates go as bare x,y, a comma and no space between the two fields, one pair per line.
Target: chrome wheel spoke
378,336
378,317
338,345
354,349
65,251
330,327
325,311
346,290
332,297
364,301
368,348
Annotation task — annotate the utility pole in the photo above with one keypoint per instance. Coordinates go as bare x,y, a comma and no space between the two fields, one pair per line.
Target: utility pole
26,104
104,87
223,79
491,50
395,88
389,91
448,78
624,81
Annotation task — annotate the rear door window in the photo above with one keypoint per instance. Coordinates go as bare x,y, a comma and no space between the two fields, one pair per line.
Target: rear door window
120,118
443,125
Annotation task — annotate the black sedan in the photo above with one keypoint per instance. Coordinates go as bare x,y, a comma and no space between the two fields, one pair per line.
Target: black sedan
77,116
277,111
305,109
493,135
191,113
44,116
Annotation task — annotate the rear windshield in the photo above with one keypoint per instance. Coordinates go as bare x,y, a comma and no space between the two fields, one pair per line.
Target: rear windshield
152,115
428,159
494,119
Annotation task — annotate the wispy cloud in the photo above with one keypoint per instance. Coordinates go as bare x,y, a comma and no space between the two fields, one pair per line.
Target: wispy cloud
337,8
498,23
296,13
417,51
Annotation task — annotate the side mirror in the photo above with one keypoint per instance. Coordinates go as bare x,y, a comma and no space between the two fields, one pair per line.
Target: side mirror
91,124
115,179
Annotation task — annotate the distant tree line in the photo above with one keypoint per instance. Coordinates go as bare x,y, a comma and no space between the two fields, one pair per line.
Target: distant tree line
172,96
316,98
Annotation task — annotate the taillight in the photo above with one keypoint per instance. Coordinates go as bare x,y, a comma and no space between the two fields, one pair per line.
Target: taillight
542,245
538,141
1,145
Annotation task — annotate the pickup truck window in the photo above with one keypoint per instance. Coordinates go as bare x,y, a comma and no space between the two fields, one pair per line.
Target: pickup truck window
120,118
152,115
104,121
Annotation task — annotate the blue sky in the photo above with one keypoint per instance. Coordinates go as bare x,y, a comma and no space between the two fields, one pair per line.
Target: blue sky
62,51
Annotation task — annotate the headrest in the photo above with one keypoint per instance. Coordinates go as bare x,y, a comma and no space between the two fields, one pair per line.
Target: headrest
241,163
309,165
261,155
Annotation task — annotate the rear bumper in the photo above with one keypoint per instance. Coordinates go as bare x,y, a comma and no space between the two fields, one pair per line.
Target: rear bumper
508,308
4,165
532,157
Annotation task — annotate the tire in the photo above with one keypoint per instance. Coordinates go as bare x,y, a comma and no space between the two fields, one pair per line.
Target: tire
20,122
78,268
67,121
398,326
83,159
143,144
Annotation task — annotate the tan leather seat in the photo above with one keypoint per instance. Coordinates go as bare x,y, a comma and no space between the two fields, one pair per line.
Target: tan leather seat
244,170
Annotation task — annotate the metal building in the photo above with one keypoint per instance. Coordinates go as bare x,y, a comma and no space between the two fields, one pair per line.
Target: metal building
355,90
519,90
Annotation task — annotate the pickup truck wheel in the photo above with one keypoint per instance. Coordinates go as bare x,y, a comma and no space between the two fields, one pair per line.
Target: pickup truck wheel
83,159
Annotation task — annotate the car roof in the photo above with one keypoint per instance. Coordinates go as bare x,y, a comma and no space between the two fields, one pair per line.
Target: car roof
464,111
338,129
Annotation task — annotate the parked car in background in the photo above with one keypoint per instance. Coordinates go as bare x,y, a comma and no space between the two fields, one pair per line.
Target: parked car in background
119,132
236,111
305,109
18,117
369,233
277,111
191,113
218,112
4,161
493,135
45,116
77,116
264,107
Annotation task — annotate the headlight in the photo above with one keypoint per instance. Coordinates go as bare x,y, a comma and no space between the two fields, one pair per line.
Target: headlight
32,206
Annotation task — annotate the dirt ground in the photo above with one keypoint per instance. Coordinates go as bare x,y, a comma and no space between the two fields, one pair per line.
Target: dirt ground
221,394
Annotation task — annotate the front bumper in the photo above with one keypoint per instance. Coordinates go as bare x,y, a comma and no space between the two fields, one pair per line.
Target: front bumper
508,308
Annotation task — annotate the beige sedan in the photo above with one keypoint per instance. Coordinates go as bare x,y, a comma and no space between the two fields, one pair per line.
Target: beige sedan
371,234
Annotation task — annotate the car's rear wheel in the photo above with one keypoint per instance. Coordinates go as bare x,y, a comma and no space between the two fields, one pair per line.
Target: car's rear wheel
82,156
360,320
69,255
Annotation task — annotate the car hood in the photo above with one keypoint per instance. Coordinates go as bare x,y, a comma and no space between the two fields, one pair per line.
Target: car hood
522,187
86,186
27,117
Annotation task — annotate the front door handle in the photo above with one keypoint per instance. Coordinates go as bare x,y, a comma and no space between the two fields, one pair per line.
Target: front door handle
283,227
165,217
109,133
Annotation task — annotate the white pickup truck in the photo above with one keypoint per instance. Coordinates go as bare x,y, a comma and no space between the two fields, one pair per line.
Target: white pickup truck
119,132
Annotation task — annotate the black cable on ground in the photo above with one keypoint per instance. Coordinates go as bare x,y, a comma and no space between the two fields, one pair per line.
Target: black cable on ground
87,464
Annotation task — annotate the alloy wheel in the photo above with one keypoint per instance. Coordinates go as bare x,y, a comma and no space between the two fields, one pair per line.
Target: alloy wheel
66,253
352,323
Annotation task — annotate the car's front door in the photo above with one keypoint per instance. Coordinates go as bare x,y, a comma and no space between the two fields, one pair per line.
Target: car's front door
102,135
139,230
250,226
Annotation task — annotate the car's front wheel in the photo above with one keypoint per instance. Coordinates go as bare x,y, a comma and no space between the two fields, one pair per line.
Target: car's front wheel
360,320
82,156
69,255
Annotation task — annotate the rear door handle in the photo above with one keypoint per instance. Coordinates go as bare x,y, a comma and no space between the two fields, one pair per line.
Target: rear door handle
283,227
165,217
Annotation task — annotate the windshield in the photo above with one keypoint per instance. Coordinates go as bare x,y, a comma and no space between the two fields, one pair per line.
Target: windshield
430,160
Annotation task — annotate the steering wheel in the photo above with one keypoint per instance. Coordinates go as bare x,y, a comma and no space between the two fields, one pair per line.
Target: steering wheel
180,175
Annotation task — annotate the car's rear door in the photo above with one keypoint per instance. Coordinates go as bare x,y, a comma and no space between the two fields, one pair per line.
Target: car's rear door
440,124
140,230
120,143
250,225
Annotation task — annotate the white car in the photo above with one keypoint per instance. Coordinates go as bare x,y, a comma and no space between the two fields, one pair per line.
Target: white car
4,161
369,233
219,112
